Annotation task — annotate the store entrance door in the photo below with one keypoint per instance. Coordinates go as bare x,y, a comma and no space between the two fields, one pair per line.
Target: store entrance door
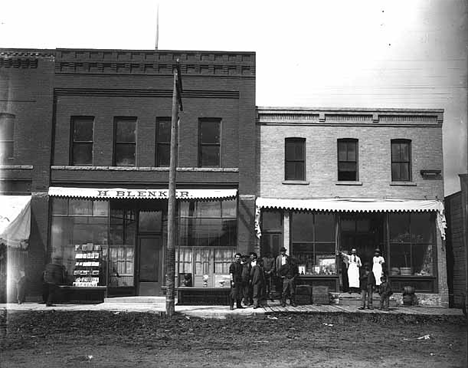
150,262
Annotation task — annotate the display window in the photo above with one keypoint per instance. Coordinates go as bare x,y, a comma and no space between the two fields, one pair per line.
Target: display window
412,244
79,237
313,243
208,240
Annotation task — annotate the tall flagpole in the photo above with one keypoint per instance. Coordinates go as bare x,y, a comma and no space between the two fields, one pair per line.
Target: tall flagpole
156,45
171,212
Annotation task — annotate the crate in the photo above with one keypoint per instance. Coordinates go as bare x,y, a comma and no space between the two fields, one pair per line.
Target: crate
320,295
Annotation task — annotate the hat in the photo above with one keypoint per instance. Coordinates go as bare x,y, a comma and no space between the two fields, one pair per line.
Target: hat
283,249
377,251
353,250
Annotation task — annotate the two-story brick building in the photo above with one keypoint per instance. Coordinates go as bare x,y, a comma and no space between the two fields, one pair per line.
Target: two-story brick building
91,137
335,179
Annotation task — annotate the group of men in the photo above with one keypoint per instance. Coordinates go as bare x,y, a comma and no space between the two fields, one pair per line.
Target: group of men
252,279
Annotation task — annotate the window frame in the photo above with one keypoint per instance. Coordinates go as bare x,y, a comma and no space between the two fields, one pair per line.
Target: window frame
288,162
8,141
347,142
118,119
401,162
162,144
74,142
202,144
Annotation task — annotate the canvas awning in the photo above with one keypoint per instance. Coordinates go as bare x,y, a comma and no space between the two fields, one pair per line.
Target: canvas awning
15,220
357,205
125,193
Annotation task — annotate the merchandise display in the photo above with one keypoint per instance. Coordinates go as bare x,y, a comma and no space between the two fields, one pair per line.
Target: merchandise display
87,265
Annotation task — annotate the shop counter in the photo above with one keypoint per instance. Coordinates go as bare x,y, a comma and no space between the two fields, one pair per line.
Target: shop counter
82,294
203,295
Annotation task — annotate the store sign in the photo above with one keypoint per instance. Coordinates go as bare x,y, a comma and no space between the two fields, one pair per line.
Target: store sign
122,193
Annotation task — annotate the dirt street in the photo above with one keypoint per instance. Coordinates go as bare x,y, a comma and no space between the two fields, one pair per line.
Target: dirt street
117,339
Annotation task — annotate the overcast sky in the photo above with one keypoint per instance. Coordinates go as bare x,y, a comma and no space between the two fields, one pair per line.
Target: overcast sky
310,53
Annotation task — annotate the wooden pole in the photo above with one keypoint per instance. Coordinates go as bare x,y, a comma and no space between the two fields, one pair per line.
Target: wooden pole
171,212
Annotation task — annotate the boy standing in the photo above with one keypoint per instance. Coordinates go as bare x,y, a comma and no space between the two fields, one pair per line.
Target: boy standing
367,284
385,292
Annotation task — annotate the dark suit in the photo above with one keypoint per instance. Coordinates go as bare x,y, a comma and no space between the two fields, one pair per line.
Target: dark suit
257,277
235,269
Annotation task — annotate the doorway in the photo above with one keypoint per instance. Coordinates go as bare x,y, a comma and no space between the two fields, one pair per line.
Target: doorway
365,233
150,266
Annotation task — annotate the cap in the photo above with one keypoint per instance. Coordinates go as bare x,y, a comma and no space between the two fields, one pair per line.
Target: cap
353,250
377,250
283,249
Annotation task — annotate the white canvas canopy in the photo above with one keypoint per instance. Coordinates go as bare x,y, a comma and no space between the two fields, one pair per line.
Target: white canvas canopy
15,220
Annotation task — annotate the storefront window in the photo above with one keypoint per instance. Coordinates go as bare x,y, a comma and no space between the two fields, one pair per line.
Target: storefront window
313,243
412,240
121,247
272,232
208,239
79,238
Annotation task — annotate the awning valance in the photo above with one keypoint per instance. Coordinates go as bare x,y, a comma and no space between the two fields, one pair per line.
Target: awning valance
15,220
357,205
123,193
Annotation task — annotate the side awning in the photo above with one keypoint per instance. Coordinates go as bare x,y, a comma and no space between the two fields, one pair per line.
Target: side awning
356,205
124,193
15,220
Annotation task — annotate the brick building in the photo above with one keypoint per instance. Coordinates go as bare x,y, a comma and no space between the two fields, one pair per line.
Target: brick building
90,133
335,179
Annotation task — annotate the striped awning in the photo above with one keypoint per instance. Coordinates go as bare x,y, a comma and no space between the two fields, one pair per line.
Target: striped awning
357,205
126,193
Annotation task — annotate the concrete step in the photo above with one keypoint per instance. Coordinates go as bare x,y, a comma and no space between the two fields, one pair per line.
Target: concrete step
137,299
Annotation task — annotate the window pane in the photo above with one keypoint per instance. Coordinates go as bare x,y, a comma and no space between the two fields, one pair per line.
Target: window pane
302,228
126,131
82,154
352,151
272,220
342,153
60,206
396,152
125,155
422,227
83,129
422,261
229,208
150,221
399,227
210,156
163,134
6,127
79,207
400,256
295,149
208,209
163,155
325,228
209,132
101,208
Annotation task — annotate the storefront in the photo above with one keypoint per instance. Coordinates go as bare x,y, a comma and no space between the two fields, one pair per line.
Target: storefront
409,234
116,238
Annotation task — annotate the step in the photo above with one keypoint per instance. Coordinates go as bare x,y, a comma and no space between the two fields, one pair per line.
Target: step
137,299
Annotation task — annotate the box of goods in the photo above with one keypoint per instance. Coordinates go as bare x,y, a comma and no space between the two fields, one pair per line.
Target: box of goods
303,294
320,295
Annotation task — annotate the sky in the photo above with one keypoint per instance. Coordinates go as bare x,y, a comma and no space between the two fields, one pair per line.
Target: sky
309,53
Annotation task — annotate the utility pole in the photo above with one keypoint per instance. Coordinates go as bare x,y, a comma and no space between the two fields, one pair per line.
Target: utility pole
171,212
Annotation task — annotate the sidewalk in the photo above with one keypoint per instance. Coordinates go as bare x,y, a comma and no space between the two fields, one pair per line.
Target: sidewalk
157,306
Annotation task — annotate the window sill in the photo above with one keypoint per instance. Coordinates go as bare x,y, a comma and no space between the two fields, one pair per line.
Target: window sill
350,183
402,184
295,182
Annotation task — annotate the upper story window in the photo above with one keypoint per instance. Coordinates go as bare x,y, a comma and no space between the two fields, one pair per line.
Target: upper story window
82,140
7,122
209,143
294,161
163,142
401,160
348,160
125,141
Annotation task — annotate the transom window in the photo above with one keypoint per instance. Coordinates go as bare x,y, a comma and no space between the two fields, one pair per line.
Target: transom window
82,140
125,141
209,143
401,160
348,160
294,159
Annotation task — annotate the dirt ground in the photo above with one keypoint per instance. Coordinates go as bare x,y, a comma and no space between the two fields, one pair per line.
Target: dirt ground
117,339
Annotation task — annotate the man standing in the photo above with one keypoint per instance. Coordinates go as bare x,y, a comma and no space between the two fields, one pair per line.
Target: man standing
235,273
269,268
257,277
279,262
367,283
288,274
54,275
